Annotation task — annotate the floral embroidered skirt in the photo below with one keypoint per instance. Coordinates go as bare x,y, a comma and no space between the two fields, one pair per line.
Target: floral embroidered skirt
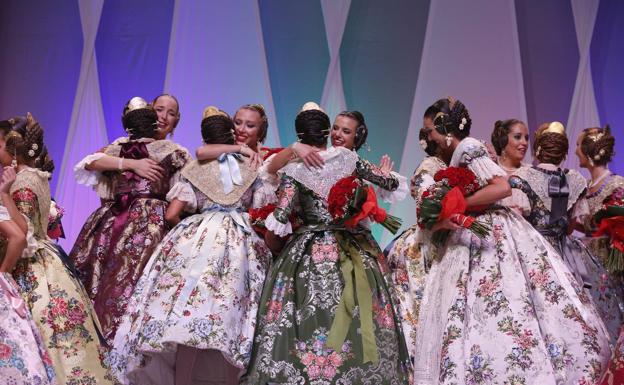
64,315
201,289
24,359
303,296
110,259
507,310
408,265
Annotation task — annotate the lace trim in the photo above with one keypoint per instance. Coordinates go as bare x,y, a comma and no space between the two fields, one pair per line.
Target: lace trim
87,177
595,200
339,163
538,180
158,149
206,178
397,195
183,191
277,227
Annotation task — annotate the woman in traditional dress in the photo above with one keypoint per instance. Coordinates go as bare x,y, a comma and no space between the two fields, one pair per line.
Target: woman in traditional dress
24,359
117,240
409,256
504,309
552,200
307,330
59,305
194,310
595,149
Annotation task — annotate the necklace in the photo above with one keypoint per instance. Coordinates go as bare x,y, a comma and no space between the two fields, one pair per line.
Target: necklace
596,182
509,170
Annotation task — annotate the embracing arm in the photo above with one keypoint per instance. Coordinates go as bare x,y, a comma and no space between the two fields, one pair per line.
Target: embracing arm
277,223
497,189
209,152
147,168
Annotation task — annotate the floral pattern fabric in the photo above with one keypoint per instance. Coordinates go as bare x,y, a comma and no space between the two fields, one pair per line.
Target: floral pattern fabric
58,303
201,289
24,359
110,253
303,290
506,309
410,256
590,272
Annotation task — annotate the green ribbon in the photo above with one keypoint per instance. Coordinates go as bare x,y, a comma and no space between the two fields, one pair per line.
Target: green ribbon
352,267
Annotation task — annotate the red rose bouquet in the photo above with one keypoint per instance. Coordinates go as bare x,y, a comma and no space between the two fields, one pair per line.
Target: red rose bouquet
610,220
351,200
445,199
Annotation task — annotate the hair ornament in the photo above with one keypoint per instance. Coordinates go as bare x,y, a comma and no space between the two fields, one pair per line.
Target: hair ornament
554,127
462,124
34,147
31,153
13,134
213,111
423,144
537,152
596,136
135,103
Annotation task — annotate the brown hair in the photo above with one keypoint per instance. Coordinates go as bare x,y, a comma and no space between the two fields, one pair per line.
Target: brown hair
25,141
549,147
264,125
598,145
500,135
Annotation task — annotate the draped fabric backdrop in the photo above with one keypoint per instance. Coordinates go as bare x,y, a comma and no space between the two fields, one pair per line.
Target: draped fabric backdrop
74,64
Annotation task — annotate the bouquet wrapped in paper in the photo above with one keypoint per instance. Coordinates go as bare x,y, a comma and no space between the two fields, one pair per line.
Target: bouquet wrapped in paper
351,200
445,199
610,221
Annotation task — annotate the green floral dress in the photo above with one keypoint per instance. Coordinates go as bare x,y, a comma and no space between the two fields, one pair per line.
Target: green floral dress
326,279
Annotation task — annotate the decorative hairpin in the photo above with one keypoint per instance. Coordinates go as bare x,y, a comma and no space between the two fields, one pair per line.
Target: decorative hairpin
596,136
462,124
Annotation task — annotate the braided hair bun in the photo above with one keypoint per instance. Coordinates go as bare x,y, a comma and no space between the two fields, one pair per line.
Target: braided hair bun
452,117
312,126
25,140
598,145
550,147
217,127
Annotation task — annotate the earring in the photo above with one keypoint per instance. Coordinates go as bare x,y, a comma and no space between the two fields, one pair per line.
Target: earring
591,161
14,163
449,140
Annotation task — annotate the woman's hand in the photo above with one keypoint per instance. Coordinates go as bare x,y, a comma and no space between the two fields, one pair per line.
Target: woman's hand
255,160
386,165
8,177
308,155
445,224
146,168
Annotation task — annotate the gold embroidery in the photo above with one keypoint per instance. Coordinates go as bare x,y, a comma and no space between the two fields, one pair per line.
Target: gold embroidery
36,181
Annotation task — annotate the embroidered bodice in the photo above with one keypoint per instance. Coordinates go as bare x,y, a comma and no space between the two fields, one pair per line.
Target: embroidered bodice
306,190
534,182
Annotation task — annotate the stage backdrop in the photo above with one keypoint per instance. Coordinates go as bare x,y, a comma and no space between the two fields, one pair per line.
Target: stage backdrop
74,64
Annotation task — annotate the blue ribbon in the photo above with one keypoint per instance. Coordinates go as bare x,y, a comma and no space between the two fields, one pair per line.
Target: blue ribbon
214,216
230,172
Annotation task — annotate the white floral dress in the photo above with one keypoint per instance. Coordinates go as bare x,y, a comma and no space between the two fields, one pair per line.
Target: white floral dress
505,310
410,255
200,288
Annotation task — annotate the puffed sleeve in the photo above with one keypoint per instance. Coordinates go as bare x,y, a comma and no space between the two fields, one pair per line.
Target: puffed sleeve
183,191
474,156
